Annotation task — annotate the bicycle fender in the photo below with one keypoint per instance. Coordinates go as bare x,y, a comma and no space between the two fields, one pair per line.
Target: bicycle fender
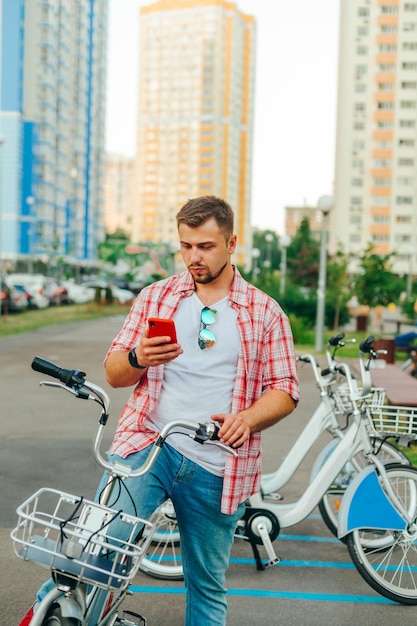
70,608
366,505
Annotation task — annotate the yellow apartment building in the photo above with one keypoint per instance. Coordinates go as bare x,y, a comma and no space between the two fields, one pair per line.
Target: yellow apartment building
195,114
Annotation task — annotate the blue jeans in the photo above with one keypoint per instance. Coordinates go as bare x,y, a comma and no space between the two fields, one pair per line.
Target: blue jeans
206,533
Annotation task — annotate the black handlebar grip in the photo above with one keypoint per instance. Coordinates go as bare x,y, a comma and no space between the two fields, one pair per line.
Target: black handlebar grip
70,378
367,344
333,341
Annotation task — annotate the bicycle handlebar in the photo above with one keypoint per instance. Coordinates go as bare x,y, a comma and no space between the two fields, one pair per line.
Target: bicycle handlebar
75,382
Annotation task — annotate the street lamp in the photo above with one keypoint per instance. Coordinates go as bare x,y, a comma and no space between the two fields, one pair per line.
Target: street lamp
255,256
269,238
30,201
284,242
411,251
324,204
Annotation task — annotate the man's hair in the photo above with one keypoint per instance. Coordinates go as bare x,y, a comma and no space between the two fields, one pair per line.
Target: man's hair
197,211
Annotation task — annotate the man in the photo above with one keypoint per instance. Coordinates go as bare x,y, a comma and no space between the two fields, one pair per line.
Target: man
234,363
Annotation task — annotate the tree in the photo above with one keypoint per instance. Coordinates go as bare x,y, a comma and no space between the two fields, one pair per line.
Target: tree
303,257
377,284
337,291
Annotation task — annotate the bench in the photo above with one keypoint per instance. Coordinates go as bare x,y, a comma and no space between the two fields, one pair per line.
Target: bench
400,387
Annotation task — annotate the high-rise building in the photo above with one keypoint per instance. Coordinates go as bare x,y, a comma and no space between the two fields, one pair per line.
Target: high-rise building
52,116
376,147
195,114
117,194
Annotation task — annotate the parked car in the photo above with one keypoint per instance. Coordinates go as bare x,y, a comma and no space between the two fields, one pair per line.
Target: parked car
4,296
63,294
78,294
36,283
18,300
52,291
122,296
27,294
12,299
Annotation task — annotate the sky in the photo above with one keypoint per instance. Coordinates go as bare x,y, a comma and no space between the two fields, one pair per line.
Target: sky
295,101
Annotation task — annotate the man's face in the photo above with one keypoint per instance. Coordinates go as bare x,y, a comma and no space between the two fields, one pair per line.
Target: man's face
205,250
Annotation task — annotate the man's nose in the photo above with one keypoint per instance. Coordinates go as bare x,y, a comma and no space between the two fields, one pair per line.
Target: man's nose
195,255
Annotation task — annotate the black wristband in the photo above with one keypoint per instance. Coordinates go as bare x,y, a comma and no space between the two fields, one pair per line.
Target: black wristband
134,361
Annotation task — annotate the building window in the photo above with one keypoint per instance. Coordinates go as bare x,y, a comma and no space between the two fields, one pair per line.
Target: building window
407,123
404,200
406,162
405,180
387,47
387,67
385,86
408,104
406,142
385,105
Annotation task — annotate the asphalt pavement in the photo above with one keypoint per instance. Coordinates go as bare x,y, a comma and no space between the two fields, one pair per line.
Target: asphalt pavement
45,440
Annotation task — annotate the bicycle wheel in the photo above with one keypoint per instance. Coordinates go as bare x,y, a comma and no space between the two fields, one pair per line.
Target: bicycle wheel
387,560
54,617
163,558
329,505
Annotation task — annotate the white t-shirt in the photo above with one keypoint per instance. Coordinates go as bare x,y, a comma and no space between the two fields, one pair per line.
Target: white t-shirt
199,383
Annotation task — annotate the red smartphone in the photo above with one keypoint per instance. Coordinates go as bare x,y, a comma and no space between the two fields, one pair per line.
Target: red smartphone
159,327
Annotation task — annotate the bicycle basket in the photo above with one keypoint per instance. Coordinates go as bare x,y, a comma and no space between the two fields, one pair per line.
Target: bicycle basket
394,421
72,535
343,401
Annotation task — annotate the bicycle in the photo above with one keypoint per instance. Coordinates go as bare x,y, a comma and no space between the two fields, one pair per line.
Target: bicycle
72,536
381,538
259,527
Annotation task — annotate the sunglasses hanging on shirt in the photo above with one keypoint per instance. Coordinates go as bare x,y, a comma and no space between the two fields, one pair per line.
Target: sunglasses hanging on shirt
206,338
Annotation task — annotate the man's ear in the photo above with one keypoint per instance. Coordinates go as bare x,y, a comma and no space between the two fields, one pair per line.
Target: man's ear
232,244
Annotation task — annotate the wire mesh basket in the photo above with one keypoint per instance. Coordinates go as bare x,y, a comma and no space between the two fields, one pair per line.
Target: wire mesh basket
343,400
394,421
73,536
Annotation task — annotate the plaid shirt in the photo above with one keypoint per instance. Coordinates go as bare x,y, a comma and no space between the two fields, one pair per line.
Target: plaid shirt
266,361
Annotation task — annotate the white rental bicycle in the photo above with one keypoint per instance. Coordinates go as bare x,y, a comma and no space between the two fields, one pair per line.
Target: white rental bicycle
72,536
259,525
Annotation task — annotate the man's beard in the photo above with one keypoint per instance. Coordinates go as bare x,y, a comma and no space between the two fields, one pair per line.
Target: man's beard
205,280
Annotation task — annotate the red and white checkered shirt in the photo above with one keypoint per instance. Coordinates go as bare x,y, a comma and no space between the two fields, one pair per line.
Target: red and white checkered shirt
266,361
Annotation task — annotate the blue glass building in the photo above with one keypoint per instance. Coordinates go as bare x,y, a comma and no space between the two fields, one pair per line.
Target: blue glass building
52,119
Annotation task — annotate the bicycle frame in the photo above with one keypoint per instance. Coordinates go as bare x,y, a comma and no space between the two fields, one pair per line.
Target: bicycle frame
356,439
324,418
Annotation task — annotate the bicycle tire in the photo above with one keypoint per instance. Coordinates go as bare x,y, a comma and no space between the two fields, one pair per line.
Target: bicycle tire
392,569
329,505
163,557
54,617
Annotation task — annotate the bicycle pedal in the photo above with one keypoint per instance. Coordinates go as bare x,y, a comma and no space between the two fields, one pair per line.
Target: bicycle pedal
126,621
272,562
